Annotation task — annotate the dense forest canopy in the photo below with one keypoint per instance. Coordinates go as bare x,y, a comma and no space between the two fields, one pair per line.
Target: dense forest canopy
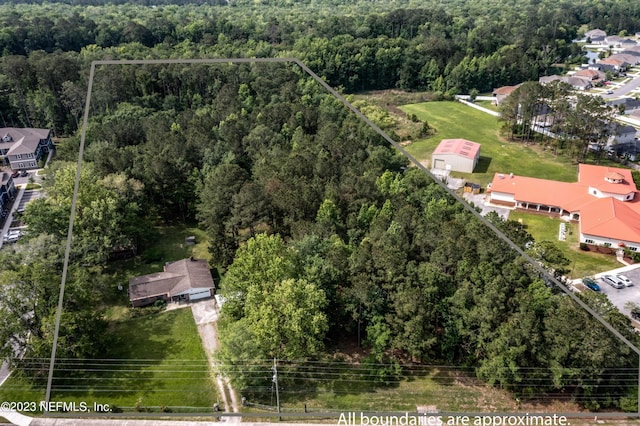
280,173
446,47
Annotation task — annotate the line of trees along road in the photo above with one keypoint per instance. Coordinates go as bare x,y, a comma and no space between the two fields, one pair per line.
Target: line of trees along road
281,175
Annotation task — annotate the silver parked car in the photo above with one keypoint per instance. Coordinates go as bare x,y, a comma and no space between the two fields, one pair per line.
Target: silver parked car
613,281
625,280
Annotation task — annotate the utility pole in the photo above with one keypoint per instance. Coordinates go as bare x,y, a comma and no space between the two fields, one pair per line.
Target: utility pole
275,381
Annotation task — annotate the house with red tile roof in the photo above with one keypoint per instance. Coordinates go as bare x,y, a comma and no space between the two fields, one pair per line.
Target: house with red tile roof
604,201
458,155
501,93
596,76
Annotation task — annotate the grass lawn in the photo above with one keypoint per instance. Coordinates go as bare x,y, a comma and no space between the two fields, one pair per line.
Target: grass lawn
582,262
342,387
167,245
488,105
455,120
153,361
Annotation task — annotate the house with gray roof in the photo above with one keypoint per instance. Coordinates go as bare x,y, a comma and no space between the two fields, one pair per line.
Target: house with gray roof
578,83
22,148
181,281
628,104
629,58
621,134
596,36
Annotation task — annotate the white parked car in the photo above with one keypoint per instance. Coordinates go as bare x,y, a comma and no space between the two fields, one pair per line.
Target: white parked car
626,281
12,236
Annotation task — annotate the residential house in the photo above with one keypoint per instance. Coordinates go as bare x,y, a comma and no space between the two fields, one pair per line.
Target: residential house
596,76
181,281
459,155
22,148
7,190
619,65
595,36
632,52
604,202
629,58
544,80
501,93
578,83
603,67
627,104
613,40
621,134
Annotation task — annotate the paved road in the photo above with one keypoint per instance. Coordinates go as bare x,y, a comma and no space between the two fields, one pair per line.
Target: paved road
4,373
625,89
21,420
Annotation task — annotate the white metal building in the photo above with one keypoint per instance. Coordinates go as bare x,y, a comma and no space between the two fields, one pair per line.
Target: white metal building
458,155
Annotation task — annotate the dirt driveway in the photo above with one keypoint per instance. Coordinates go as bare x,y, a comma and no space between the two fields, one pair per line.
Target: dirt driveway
205,314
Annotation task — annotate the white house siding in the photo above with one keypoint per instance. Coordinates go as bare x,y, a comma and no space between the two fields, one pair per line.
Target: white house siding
198,293
622,197
603,241
502,196
457,162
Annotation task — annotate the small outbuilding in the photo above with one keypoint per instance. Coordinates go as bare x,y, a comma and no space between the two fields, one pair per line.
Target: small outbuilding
459,155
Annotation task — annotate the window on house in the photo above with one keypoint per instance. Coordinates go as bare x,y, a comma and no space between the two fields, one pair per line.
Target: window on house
32,164
633,248
607,244
18,157
21,165
29,155
588,241
595,192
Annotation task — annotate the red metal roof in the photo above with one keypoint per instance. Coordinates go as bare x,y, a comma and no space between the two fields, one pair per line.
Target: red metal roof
460,147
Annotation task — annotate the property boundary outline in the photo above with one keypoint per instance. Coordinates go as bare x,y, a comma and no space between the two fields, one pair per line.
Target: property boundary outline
378,130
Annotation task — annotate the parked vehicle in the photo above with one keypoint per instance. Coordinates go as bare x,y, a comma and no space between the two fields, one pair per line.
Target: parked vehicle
635,313
12,236
23,173
15,173
626,281
591,283
613,281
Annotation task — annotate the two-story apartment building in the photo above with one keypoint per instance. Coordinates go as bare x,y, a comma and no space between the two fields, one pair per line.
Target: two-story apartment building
22,148
7,190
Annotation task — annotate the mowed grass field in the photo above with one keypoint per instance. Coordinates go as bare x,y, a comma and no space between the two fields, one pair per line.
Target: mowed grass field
152,362
582,263
454,120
